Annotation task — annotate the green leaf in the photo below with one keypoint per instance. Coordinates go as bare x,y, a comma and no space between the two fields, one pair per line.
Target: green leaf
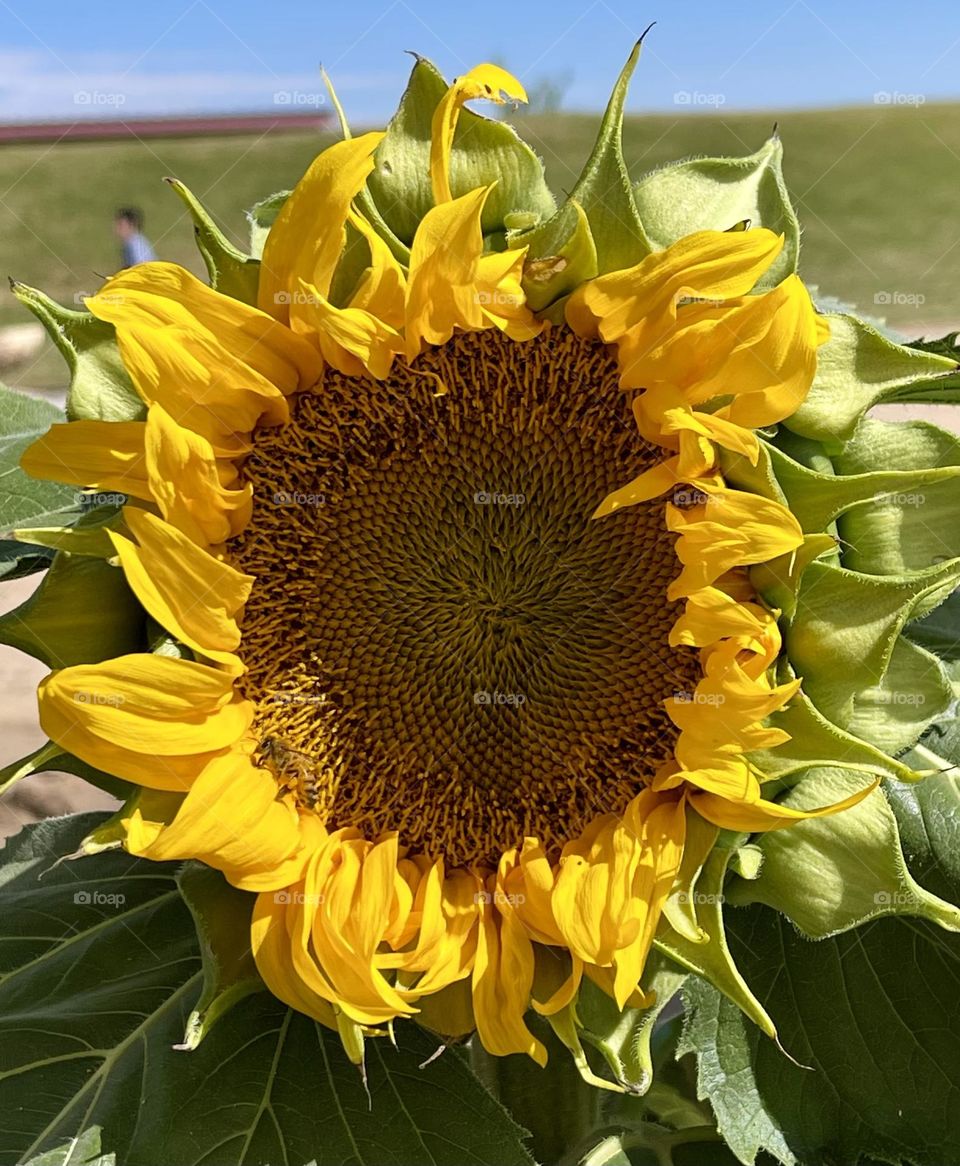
230,270
856,369
95,992
24,500
18,559
604,194
100,387
831,874
715,194
872,1013
221,915
82,612
484,151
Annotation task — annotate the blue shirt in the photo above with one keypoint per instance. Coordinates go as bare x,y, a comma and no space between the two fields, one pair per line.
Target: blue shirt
136,250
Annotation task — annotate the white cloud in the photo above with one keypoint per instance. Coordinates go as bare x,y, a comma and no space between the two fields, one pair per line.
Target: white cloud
39,86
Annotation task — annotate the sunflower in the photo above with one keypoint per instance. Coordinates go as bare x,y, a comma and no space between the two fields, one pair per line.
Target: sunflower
468,561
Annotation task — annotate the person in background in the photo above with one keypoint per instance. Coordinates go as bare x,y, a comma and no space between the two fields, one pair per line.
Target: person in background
136,248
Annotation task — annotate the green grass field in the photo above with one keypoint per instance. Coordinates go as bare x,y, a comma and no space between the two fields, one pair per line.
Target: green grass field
877,190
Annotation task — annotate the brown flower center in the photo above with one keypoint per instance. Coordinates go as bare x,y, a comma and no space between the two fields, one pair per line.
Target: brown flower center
441,640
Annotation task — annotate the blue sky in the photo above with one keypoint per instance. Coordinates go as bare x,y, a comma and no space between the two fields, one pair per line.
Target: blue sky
67,60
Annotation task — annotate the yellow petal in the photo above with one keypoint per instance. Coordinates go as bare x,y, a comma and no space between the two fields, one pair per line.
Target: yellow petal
382,288
271,944
307,237
101,455
502,982
230,819
185,481
352,340
452,284
640,303
763,815
216,365
486,81
188,592
142,704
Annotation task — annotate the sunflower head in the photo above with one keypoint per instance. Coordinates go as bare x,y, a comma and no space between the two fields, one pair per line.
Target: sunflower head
493,580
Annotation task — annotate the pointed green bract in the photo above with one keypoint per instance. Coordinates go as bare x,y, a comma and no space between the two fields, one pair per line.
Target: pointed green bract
52,758
712,961
83,612
221,915
624,1037
604,193
100,388
484,152
815,741
831,874
230,270
858,368
262,216
714,194
860,617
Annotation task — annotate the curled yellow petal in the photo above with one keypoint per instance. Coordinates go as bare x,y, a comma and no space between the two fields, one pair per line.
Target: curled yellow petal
308,235
453,284
763,815
186,482
187,591
486,81
217,366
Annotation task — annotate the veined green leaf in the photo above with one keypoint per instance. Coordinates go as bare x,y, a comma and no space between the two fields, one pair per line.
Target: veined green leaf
100,970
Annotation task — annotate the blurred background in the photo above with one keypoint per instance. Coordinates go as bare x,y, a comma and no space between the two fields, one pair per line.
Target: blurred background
99,102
